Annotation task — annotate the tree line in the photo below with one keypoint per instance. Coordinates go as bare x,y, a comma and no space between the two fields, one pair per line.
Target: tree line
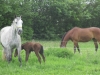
50,19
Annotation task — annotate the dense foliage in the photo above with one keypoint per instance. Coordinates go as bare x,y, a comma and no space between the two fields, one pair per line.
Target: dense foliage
50,19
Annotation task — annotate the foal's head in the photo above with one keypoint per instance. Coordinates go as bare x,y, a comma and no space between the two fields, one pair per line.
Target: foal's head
16,52
18,24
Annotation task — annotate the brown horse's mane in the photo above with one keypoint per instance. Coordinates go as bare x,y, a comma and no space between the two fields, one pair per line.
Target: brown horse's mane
70,31
63,36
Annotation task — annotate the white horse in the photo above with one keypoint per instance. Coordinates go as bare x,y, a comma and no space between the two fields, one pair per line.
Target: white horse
10,38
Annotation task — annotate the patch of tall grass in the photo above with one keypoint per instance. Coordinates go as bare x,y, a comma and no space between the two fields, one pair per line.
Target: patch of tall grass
59,52
59,61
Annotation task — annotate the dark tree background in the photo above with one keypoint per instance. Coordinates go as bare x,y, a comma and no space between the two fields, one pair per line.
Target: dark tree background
50,19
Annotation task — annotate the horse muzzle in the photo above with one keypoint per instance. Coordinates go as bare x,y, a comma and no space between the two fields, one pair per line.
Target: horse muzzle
20,31
62,46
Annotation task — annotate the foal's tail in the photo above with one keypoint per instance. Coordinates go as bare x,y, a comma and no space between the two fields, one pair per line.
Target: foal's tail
41,50
42,53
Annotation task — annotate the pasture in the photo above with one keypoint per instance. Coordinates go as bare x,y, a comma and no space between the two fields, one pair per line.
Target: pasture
59,61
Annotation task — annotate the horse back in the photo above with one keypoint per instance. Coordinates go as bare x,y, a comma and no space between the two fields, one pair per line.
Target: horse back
31,46
26,46
81,34
37,46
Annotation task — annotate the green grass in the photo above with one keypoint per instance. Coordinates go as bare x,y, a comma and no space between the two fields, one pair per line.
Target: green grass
59,61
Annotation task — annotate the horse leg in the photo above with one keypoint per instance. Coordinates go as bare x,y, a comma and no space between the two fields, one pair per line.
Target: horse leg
27,55
37,54
19,58
11,54
96,44
74,48
4,54
78,48
41,53
76,45
43,57
8,54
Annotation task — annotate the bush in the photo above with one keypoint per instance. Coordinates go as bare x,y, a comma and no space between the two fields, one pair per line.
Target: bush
27,33
59,52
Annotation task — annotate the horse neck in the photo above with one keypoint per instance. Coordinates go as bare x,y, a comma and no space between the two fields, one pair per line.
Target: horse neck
65,39
13,28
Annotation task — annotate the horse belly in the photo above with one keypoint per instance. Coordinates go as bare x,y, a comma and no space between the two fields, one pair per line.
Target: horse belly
4,40
85,38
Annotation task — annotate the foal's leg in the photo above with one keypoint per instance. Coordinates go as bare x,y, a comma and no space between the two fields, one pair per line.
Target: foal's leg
37,54
41,51
43,57
96,44
27,55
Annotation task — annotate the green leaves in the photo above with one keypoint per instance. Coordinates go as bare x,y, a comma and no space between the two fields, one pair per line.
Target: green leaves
47,18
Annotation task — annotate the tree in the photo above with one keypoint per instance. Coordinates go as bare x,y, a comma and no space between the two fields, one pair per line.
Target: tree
50,19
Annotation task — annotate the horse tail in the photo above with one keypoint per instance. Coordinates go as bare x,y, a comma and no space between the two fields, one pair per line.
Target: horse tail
41,50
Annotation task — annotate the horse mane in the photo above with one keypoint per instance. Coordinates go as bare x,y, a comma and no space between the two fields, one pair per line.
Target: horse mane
69,32
63,36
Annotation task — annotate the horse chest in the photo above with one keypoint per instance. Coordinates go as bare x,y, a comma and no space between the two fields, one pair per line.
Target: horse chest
28,48
13,43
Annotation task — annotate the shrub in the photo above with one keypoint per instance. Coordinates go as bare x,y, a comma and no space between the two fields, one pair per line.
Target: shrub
27,33
59,52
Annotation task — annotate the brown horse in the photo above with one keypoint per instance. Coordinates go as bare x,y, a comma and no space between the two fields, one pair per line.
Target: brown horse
81,35
32,46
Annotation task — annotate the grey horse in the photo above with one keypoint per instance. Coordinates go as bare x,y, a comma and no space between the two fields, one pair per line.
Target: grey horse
10,39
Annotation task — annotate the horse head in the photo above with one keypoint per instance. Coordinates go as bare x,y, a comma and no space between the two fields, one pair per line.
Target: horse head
63,44
18,24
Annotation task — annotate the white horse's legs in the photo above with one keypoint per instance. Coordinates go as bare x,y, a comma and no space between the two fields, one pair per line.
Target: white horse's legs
4,55
19,58
9,54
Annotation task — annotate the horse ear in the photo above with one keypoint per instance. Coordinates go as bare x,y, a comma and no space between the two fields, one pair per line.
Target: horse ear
20,16
15,16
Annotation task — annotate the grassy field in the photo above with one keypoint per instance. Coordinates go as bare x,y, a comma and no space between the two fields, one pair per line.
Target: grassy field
59,61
